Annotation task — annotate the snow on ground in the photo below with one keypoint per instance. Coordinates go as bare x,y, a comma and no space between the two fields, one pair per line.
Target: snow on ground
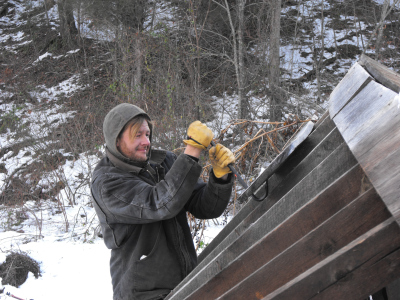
70,270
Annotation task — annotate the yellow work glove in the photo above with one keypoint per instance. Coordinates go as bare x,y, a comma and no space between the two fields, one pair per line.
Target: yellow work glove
220,158
199,135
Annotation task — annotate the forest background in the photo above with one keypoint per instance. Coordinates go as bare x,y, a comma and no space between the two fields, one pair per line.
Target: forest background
252,70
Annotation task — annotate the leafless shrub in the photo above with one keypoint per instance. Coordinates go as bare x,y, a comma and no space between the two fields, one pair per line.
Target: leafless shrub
14,271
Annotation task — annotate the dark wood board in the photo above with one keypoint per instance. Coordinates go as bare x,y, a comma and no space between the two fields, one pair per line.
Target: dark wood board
381,73
311,215
354,81
338,230
366,280
368,250
321,119
335,165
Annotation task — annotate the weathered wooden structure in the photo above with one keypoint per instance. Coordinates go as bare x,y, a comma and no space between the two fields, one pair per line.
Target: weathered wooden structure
329,227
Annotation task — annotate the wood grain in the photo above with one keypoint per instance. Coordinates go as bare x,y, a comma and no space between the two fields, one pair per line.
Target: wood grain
370,125
354,81
369,249
381,73
338,229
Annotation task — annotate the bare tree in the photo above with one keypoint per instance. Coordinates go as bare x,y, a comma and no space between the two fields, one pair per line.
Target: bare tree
319,53
68,28
274,59
379,27
238,52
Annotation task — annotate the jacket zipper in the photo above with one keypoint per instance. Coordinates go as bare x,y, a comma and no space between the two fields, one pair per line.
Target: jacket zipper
152,177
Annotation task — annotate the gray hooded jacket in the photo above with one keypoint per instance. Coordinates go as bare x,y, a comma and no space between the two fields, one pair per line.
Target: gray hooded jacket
142,211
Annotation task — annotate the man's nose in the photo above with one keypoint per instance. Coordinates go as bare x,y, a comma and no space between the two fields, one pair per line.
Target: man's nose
145,140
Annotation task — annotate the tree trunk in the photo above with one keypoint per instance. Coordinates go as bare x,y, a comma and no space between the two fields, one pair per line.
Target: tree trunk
243,105
138,63
319,55
68,29
385,9
237,40
274,74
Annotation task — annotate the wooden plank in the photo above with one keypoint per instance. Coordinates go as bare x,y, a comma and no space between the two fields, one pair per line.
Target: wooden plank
322,118
369,249
355,219
335,165
333,199
296,158
362,109
376,146
381,73
354,81
386,179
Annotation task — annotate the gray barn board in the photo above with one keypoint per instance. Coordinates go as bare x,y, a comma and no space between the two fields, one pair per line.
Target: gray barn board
329,226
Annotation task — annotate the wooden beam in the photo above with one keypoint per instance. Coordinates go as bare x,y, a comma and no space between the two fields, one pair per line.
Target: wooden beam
336,231
381,73
354,81
379,246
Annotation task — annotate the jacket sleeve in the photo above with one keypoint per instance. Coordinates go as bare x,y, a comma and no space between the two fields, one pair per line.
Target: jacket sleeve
131,200
209,200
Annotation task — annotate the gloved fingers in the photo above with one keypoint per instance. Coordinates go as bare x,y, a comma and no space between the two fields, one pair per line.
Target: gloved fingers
223,155
211,152
199,134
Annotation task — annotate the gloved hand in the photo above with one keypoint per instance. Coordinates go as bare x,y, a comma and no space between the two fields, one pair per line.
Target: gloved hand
220,158
199,135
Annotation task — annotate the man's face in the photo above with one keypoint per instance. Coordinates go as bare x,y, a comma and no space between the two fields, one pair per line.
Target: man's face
137,148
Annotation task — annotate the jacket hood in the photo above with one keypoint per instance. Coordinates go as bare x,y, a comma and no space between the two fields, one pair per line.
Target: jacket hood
115,121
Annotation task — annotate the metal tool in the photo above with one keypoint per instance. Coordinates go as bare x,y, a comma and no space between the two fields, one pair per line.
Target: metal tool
239,178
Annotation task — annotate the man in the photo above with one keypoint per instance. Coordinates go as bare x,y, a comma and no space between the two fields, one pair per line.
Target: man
141,196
